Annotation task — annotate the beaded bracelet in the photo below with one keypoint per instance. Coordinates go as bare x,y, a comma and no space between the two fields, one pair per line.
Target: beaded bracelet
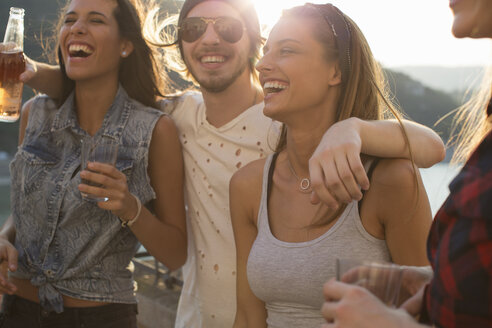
132,221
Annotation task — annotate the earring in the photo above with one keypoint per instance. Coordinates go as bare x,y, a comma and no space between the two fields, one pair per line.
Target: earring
123,53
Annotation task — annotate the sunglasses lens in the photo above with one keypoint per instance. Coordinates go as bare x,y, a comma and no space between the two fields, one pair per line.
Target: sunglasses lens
192,29
229,29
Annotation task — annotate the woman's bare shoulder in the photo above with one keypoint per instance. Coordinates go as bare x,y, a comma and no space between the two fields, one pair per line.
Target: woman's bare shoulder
395,173
250,175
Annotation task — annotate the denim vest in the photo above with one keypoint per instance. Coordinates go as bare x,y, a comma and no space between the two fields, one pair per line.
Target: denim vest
67,245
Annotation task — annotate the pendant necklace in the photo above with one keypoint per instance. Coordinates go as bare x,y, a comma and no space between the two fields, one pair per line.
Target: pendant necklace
304,183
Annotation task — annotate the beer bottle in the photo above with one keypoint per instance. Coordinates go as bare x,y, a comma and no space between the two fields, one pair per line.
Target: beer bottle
12,64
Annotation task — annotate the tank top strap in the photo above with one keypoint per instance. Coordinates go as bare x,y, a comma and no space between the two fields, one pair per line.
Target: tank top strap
265,193
369,166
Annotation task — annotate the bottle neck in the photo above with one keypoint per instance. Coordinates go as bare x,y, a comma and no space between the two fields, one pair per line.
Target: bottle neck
14,35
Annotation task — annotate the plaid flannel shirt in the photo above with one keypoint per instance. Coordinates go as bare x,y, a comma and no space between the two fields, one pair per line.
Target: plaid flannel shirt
460,248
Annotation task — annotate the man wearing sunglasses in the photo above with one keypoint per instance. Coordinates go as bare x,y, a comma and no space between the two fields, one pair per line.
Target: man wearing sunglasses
222,129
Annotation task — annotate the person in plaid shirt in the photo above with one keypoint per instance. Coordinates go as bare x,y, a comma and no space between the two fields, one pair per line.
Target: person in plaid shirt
460,247
460,241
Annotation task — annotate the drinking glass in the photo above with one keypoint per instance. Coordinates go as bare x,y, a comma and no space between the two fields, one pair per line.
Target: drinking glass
381,279
100,150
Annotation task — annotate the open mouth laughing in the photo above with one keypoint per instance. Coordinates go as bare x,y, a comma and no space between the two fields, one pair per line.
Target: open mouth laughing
271,87
78,50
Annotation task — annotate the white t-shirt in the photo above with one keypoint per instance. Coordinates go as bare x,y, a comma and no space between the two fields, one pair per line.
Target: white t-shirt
211,156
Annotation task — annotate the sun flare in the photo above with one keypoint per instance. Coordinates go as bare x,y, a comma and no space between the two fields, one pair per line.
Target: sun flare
399,33
268,14
269,11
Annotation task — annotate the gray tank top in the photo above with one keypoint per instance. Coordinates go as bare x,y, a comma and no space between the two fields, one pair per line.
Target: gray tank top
289,277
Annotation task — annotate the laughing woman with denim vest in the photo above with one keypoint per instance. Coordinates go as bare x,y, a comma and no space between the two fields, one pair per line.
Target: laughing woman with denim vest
69,259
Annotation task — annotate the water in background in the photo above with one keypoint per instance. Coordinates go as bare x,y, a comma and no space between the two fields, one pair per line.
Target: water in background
436,180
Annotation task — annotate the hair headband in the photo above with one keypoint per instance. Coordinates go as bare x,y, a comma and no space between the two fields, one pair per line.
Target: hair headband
342,32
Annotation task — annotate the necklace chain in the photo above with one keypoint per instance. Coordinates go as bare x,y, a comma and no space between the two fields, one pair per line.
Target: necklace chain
304,183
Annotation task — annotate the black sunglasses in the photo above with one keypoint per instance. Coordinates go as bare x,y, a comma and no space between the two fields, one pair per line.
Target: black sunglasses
228,28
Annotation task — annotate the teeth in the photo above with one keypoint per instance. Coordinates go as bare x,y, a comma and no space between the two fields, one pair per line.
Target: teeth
274,85
213,59
80,47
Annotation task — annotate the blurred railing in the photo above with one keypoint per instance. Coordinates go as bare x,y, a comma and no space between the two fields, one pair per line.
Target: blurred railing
149,264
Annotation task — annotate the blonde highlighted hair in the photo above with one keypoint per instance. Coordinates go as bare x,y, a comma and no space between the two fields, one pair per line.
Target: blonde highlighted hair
470,123
364,92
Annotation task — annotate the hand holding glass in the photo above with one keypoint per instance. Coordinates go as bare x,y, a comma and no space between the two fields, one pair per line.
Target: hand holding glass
381,279
97,150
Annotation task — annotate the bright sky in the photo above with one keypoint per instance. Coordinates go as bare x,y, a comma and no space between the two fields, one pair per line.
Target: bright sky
416,32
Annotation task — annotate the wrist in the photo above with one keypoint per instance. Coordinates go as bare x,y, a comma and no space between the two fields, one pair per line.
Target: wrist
130,221
357,125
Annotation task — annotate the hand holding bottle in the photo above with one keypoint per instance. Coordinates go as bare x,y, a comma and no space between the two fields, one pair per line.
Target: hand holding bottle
12,64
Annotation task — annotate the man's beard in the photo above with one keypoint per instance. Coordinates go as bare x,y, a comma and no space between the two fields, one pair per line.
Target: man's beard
216,84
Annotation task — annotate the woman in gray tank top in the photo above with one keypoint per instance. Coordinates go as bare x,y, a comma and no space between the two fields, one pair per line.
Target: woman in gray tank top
318,73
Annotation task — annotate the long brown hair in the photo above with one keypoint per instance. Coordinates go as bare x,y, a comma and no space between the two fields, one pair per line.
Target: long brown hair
470,123
137,73
364,91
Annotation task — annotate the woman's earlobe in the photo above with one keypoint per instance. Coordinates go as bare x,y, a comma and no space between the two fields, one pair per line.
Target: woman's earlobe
127,49
336,76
